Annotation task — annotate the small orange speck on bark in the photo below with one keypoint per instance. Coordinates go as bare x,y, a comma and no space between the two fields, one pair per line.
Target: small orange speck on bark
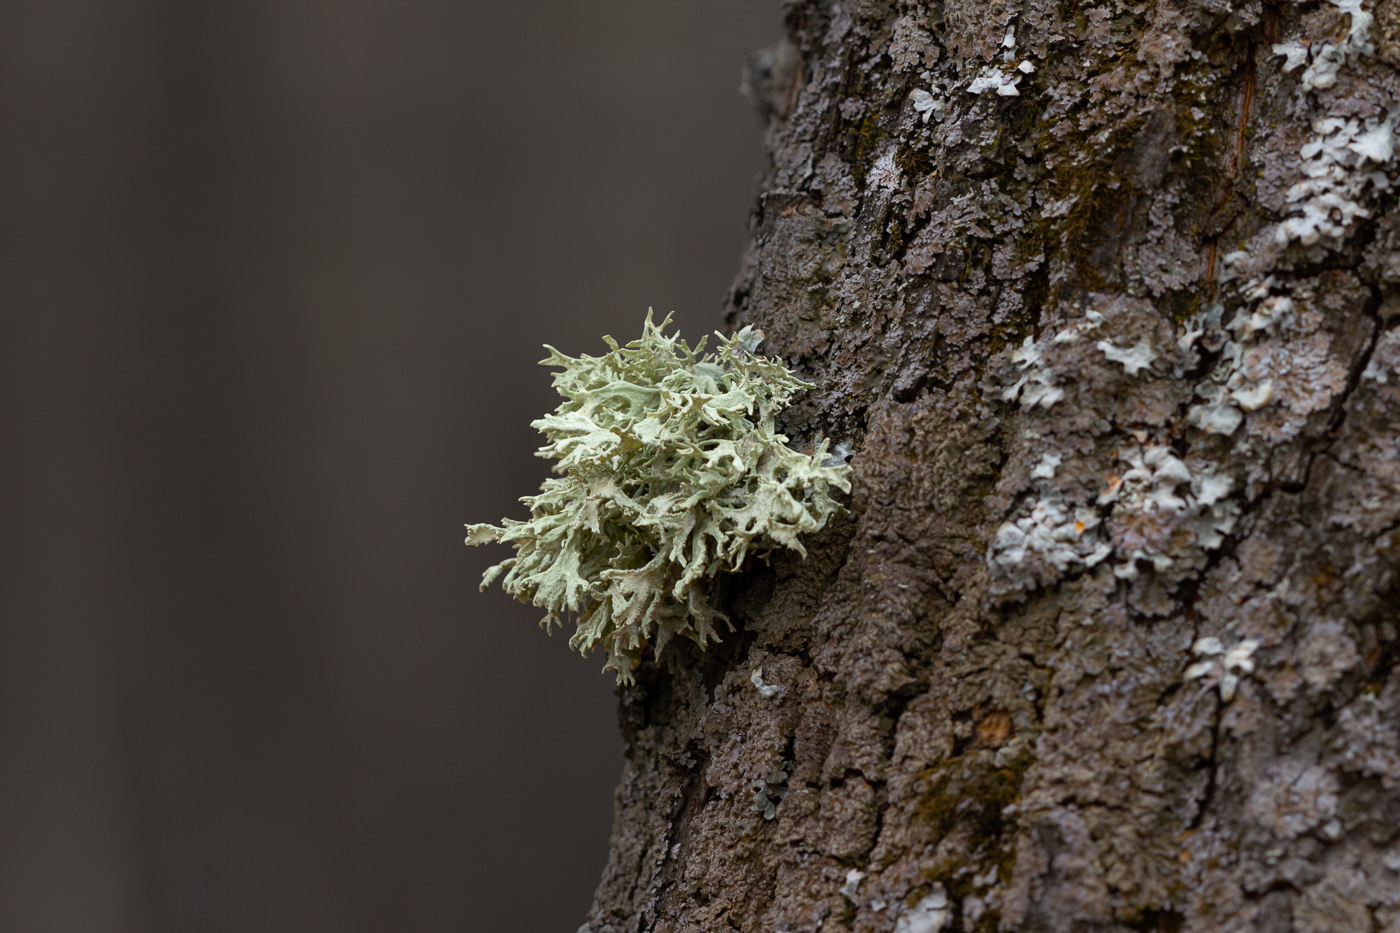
993,729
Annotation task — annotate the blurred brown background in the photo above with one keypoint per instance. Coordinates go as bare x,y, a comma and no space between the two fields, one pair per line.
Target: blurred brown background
273,279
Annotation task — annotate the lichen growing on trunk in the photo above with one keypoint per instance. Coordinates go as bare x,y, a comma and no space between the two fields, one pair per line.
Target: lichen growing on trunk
1108,641
671,472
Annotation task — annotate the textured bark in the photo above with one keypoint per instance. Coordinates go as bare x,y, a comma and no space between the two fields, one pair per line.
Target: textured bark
1107,639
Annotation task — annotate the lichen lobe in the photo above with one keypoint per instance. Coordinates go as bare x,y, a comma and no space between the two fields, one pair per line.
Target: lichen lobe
671,472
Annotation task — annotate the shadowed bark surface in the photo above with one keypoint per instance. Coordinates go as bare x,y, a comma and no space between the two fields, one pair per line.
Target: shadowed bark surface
1103,297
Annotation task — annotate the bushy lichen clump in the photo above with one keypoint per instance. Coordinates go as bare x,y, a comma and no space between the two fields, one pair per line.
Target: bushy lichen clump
671,472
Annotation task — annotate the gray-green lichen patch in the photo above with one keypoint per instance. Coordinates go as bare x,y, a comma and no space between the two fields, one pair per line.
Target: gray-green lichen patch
671,472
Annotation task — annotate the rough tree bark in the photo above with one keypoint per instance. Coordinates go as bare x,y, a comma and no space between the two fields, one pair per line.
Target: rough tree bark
1107,639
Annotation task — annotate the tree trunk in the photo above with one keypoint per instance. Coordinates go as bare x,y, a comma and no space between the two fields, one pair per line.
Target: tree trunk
1107,638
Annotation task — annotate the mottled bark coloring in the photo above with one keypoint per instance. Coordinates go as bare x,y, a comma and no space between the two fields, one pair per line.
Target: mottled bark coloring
1106,298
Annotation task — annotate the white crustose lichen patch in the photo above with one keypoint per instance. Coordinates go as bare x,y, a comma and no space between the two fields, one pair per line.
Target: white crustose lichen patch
929,105
1347,154
1225,393
1222,667
929,915
1339,165
1243,377
1003,78
1051,539
995,78
884,173
1343,167
1134,359
1156,500
1036,385
852,885
769,691
1328,57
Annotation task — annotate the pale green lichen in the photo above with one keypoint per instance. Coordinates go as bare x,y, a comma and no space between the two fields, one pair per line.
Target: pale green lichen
671,472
